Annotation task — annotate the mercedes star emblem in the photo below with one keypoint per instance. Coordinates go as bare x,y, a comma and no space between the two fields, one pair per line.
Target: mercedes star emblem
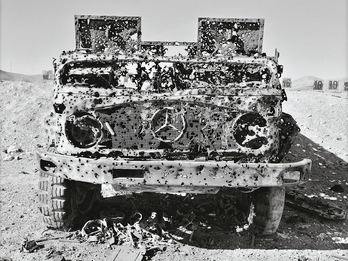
168,124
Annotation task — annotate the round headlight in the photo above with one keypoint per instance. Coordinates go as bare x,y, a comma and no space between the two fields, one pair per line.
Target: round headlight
250,131
83,131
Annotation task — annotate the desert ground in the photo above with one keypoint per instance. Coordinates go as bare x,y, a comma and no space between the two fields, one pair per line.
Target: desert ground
302,236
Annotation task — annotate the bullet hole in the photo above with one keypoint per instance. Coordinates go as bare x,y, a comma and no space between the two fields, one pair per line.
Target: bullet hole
59,107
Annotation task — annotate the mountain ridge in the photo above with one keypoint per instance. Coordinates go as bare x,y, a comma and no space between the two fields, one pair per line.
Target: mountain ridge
9,76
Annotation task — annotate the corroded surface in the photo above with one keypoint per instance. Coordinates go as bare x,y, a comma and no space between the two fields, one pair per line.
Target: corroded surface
225,36
125,109
105,33
174,111
173,176
219,35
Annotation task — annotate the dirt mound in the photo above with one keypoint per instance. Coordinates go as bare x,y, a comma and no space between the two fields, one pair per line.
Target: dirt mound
306,83
24,106
8,76
322,117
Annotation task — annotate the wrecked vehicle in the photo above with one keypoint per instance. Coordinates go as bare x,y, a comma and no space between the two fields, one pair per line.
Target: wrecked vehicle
172,117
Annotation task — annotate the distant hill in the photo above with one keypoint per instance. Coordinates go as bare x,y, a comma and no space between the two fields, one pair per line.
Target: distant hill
343,79
304,83
8,76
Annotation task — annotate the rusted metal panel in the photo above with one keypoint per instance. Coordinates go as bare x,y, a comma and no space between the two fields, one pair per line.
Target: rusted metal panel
170,43
106,33
227,36
159,48
230,35
171,72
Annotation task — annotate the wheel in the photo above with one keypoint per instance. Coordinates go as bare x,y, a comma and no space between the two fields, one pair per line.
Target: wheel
268,207
66,203
53,196
288,130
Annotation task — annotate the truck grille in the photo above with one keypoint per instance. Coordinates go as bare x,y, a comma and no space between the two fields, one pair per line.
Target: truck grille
179,125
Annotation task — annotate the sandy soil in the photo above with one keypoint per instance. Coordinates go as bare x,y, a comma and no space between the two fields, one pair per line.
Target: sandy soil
301,235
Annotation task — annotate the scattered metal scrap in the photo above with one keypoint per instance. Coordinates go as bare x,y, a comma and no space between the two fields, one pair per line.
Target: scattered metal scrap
337,188
32,245
146,235
132,241
316,206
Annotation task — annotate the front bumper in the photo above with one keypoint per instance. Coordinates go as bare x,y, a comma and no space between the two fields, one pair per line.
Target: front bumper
173,176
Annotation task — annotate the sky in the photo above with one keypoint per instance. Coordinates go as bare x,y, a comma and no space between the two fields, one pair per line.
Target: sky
311,35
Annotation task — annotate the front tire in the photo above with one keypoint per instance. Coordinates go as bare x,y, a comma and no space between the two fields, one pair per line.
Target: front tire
268,207
66,203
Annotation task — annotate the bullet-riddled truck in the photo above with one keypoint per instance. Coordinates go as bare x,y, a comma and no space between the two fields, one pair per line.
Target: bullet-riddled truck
170,117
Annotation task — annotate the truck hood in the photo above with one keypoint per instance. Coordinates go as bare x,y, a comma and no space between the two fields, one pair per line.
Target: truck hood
243,99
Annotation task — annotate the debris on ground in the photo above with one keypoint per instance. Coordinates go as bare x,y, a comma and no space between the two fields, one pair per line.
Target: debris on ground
337,188
96,231
323,195
141,233
295,219
148,234
31,246
7,157
125,253
340,240
13,149
11,153
315,205
101,231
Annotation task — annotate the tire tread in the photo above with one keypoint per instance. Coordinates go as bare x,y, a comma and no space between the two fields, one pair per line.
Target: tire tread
53,197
